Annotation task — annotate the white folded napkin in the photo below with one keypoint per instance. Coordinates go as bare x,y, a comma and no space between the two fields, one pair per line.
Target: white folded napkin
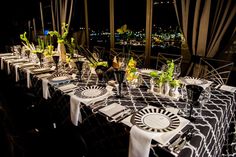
17,66
112,109
29,84
204,86
2,65
228,88
140,140
9,57
26,65
75,104
5,54
17,60
16,73
8,68
46,93
75,113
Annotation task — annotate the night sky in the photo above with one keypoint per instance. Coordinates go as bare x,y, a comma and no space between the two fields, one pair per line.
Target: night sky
16,13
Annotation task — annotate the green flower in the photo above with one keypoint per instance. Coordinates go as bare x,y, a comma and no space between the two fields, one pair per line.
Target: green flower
104,63
153,74
175,83
60,37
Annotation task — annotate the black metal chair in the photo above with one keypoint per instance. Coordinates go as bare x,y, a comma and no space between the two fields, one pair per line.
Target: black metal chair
214,70
162,59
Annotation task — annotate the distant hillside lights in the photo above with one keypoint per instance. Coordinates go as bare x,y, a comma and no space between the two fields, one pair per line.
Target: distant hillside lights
157,2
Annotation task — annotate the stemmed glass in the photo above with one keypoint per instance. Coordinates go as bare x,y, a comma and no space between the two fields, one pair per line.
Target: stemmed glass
100,71
177,71
56,60
79,66
19,51
27,52
40,57
119,76
193,94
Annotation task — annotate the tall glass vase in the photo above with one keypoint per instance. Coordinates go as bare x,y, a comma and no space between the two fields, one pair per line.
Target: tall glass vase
62,51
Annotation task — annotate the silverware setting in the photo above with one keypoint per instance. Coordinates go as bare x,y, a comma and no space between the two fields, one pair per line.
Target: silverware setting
70,90
98,105
177,144
117,117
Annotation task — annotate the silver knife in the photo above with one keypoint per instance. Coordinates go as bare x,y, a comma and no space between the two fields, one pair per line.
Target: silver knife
180,138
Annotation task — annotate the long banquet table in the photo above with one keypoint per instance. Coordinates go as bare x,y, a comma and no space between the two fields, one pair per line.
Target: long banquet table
211,126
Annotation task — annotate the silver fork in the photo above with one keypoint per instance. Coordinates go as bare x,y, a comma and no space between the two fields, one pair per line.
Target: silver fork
177,148
97,105
123,115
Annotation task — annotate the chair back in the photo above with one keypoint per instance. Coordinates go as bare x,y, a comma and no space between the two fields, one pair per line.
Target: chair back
162,59
214,70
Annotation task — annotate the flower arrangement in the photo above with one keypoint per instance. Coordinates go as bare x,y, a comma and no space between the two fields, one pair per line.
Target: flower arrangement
164,80
60,37
126,35
132,75
166,76
61,40
131,69
26,43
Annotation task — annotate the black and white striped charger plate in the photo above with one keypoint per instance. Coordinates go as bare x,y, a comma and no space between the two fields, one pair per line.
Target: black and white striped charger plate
91,91
191,80
155,119
40,69
146,71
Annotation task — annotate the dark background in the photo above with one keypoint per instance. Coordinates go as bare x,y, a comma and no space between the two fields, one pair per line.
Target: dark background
15,14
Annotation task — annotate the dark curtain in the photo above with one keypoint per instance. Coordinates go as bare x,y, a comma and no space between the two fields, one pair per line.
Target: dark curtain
207,25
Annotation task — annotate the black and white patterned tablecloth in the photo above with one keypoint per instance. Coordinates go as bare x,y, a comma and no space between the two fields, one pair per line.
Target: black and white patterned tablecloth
211,126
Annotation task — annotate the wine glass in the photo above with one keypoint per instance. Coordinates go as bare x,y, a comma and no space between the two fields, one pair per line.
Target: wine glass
40,57
56,60
177,71
18,49
79,66
27,52
193,94
100,71
119,76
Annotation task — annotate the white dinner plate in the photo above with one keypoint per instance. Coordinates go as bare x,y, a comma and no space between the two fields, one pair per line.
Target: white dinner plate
91,92
192,80
155,119
147,72
41,69
59,77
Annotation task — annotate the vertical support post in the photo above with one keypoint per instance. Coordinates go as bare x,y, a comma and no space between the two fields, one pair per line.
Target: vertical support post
53,16
41,14
29,30
149,11
112,27
86,22
35,33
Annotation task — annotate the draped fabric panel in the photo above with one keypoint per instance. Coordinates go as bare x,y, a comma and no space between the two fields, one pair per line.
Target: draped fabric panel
208,25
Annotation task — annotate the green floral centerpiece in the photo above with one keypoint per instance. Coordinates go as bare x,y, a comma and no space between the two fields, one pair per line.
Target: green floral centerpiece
26,43
61,39
132,75
125,35
164,83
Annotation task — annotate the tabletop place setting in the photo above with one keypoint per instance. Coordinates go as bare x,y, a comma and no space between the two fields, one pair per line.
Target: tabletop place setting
170,105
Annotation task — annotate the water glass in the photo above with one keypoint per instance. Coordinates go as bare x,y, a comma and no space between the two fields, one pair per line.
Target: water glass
205,95
177,71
